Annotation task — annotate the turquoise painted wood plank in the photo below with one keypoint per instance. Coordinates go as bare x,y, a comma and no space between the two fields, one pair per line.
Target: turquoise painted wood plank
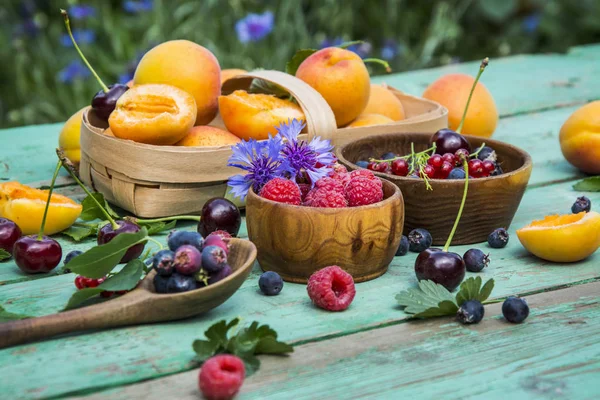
553,354
145,352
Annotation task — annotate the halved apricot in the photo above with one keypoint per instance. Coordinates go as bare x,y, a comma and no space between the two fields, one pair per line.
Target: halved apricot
562,238
204,135
153,114
25,206
255,115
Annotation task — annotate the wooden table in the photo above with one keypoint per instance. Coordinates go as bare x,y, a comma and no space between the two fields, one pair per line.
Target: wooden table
371,350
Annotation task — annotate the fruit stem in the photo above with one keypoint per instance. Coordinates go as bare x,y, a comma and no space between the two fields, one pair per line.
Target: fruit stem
478,150
68,25
484,64
164,219
406,157
462,206
156,242
378,61
41,234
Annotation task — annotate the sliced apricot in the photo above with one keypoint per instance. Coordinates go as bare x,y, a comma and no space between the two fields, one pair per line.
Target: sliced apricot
255,115
153,114
369,120
204,135
562,238
25,206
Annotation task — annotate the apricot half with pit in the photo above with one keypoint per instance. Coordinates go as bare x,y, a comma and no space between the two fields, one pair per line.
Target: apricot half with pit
153,114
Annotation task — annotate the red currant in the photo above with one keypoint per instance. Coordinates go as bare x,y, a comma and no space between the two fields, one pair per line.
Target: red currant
445,170
475,168
106,293
488,167
79,283
400,167
449,158
461,154
435,161
382,167
371,166
429,171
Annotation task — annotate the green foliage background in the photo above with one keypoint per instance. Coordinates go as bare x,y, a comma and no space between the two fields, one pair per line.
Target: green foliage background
425,33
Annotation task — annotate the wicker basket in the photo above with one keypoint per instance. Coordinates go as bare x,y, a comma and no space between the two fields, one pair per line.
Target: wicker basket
155,181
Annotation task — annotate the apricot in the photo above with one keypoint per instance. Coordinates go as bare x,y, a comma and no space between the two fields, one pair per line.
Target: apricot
255,115
130,83
108,132
230,73
68,139
208,136
341,77
452,91
369,120
25,206
153,114
383,102
189,67
580,138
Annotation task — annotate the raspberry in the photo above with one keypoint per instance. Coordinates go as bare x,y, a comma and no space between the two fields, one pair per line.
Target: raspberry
331,288
330,184
221,377
343,177
282,191
304,189
337,168
366,174
362,191
328,199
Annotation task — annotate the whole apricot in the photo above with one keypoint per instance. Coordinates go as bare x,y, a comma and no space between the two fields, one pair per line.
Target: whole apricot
341,77
189,67
580,138
153,114
205,135
369,120
230,73
68,139
383,102
452,91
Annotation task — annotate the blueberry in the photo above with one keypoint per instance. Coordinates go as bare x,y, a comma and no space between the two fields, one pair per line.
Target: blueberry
187,260
72,254
222,274
403,247
162,262
487,153
498,238
213,259
160,283
497,171
362,164
270,283
178,283
457,173
177,239
388,155
476,260
470,312
581,204
419,240
515,309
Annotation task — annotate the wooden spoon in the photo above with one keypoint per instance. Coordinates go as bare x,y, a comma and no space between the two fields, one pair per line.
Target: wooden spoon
140,306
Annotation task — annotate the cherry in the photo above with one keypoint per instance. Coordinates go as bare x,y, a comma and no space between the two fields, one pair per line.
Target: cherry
435,161
475,168
400,167
442,267
108,232
104,102
488,167
448,141
9,234
445,170
34,255
219,214
449,158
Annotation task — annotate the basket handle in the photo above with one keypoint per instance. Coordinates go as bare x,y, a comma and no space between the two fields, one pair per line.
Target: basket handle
320,120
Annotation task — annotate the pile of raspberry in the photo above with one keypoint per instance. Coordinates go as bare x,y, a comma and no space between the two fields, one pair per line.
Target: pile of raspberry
340,189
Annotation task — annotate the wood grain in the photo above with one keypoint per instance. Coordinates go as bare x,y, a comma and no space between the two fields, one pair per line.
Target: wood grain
491,202
296,241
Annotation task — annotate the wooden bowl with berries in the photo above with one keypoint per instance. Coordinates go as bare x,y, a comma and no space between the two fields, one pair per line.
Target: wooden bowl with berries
432,180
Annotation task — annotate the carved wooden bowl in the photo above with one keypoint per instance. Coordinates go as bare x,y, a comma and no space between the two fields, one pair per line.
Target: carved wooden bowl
491,202
296,241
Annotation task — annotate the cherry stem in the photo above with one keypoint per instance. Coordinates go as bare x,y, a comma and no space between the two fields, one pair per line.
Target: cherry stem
484,64
462,206
68,25
41,234
165,219
385,64
156,242
412,154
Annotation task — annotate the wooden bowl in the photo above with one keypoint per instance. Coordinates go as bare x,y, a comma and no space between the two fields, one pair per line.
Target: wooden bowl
491,202
296,241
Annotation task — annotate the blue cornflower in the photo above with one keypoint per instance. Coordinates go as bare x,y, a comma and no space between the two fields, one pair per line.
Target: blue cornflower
327,42
82,36
82,11
254,27
531,22
362,49
133,6
314,158
75,70
390,49
260,160
126,77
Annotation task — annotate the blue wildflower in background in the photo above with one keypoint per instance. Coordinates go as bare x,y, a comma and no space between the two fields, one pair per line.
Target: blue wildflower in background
82,11
390,49
531,22
137,6
82,36
328,42
75,70
254,27
362,49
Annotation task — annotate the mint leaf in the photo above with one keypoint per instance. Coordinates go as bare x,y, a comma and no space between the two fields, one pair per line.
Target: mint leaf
292,66
78,233
6,316
157,227
427,295
218,331
82,295
125,279
91,211
205,349
100,260
471,289
4,255
270,345
591,184
262,86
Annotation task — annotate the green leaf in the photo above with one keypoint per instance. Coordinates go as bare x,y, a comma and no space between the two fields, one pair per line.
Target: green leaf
157,227
100,260
446,307
428,295
91,210
82,295
270,345
243,344
4,255
486,290
262,86
469,290
205,349
252,364
345,45
78,233
218,331
292,65
126,279
591,184
6,316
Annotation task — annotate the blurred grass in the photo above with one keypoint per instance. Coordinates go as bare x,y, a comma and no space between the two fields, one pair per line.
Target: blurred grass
417,35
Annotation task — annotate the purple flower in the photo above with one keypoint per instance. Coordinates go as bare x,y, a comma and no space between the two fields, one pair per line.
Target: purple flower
254,27
531,22
390,49
82,36
327,42
362,49
28,27
126,77
82,11
75,70
136,6
314,158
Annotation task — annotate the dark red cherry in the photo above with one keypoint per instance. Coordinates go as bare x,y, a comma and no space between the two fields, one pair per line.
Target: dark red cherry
442,267
9,234
219,214
448,141
104,102
107,233
37,256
